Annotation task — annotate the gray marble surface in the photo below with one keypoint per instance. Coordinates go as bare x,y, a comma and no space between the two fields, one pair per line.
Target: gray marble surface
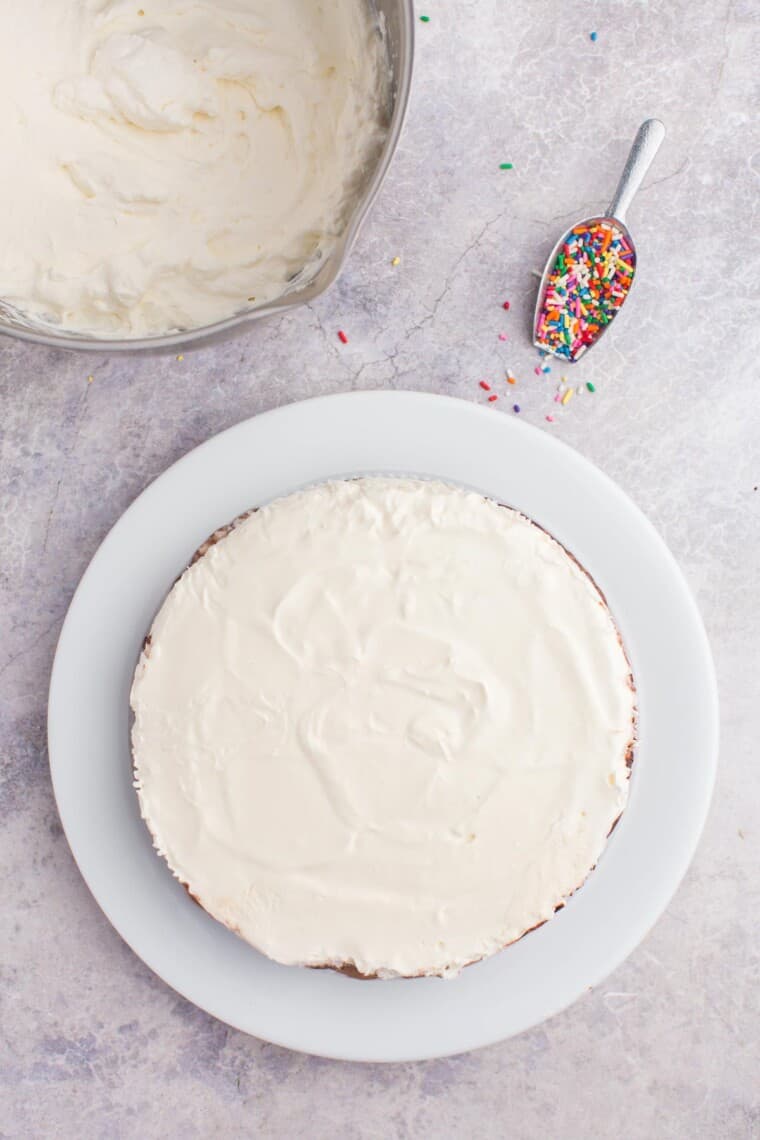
92,1044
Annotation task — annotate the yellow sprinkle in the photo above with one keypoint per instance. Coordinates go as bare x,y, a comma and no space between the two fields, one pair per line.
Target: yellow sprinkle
396,261
90,379
567,396
180,357
140,11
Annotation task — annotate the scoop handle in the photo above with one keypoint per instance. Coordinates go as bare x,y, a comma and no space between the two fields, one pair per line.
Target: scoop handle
645,146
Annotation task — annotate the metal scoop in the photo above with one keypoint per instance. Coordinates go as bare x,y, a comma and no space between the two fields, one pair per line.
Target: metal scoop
590,270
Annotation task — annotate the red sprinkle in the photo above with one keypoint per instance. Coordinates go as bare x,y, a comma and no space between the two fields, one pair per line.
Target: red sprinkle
485,385
342,337
492,398
506,306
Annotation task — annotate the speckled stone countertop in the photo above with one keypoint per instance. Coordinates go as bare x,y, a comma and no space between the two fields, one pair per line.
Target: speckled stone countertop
93,1045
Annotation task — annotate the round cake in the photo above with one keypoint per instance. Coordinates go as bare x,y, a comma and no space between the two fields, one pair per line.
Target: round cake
383,725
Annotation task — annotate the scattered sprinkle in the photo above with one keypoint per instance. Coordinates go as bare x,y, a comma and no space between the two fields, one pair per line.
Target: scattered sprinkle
593,37
537,370
506,306
492,398
502,336
425,19
180,358
591,387
90,379
395,261
342,337
550,419
510,378
545,369
567,397
516,408
587,284
506,166
485,385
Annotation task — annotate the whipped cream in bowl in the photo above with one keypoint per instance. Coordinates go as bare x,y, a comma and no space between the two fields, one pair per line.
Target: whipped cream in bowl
174,170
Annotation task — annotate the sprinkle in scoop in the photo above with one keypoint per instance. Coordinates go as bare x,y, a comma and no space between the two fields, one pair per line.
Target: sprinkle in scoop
591,269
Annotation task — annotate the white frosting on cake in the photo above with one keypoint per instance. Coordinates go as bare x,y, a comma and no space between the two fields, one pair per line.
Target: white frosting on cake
383,722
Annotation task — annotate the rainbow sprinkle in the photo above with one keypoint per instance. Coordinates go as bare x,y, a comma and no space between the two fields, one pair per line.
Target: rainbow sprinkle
588,283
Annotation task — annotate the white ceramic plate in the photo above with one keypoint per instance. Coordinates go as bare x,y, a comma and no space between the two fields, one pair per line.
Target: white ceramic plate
319,1011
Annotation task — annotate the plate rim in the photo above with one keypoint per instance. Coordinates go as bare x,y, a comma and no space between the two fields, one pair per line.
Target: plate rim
426,402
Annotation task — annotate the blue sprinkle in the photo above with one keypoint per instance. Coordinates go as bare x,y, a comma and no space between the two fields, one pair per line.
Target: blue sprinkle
515,407
593,37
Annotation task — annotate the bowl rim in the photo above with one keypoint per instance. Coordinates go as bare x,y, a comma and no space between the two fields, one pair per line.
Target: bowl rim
332,269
